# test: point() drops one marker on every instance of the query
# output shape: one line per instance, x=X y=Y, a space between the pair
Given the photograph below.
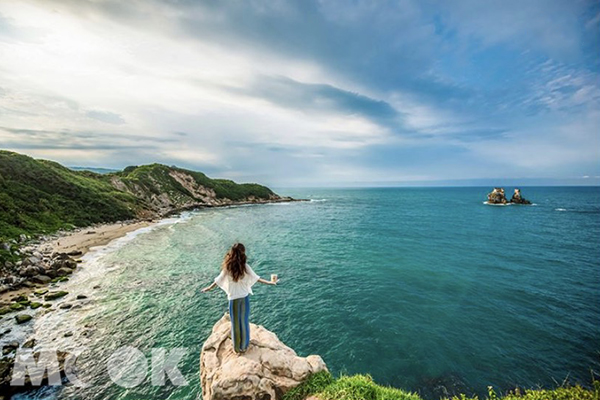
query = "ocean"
x=421 y=288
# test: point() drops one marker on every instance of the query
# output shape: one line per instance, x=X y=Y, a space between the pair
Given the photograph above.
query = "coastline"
x=32 y=301
x=77 y=242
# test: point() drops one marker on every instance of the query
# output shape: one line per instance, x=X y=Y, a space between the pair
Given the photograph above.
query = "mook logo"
x=127 y=367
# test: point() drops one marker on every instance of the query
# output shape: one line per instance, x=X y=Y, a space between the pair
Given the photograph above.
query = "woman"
x=236 y=279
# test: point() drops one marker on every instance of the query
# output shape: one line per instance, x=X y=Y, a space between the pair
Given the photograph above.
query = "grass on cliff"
x=361 y=387
x=40 y=196
x=156 y=178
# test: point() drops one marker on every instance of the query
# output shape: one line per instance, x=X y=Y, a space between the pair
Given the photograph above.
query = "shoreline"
x=78 y=242
x=63 y=253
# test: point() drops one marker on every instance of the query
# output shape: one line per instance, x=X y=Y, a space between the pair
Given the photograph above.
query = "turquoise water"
x=418 y=287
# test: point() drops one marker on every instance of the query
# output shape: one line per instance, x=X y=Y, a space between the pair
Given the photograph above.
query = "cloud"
x=106 y=116
x=305 y=91
x=312 y=98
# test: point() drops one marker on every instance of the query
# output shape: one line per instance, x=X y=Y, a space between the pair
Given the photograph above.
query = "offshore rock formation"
x=266 y=371
x=497 y=196
x=517 y=199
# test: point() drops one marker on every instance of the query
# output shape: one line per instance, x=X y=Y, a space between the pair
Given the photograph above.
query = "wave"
x=495 y=204
x=317 y=200
x=560 y=209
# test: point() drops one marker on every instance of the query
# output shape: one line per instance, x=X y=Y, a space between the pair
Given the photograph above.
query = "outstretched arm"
x=261 y=280
x=210 y=287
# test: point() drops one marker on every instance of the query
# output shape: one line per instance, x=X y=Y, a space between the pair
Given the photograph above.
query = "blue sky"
x=309 y=93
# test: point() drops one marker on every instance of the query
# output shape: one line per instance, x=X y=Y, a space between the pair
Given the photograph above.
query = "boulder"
x=41 y=279
x=22 y=318
x=64 y=271
x=497 y=196
x=55 y=295
x=518 y=199
x=266 y=371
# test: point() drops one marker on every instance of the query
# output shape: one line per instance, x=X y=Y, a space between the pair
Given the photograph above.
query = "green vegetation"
x=356 y=387
x=156 y=178
x=40 y=196
x=362 y=387
x=562 y=393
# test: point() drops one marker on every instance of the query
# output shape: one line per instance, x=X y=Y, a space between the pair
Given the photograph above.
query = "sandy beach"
x=77 y=243
x=86 y=238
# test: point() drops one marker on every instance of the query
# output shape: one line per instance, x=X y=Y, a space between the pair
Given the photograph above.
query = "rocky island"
x=497 y=196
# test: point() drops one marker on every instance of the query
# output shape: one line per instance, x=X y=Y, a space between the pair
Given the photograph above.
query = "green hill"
x=40 y=196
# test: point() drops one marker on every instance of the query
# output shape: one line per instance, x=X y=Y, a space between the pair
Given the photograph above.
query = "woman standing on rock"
x=236 y=279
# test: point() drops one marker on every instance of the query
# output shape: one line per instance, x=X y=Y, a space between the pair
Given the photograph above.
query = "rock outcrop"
x=517 y=199
x=266 y=371
x=497 y=196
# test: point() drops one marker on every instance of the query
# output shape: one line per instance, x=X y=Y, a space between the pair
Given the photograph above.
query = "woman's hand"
x=206 y=289
x=268 y=282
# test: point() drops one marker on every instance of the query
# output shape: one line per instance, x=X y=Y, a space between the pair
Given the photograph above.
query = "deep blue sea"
x=419 y=287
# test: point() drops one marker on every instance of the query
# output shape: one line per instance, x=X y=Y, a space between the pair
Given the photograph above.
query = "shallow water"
x=418 y=287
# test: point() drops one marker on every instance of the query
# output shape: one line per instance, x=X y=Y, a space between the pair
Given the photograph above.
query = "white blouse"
x=239 y=289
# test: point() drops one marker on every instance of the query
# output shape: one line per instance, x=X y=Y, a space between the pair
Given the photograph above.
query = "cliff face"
x=164 y=189
x=266 y=371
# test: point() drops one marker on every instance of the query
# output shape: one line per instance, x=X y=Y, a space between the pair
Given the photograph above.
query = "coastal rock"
x=64 y=271
x=6 y=374
x=266 y=371
x=517 y=199
x=22 y=318
x=497 y=196
x=41 y=279
x=55 y=295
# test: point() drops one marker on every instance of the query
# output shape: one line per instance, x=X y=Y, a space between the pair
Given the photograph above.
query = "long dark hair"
x=235 y=261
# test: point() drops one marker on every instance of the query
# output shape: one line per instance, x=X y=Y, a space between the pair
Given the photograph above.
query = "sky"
x=308 y=93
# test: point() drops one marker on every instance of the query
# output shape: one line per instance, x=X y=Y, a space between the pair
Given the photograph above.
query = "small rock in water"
x=55 y=295
x=68 y=334
x=81 y=296
x=40 y=292
x=22 y=318
x=41 y=279
x=29 y=344
x=20 y=298
x=65 y=306
x=17 y=307
x=87 y=333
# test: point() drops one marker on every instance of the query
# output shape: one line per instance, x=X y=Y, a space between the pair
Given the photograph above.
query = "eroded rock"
x=267 y=370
